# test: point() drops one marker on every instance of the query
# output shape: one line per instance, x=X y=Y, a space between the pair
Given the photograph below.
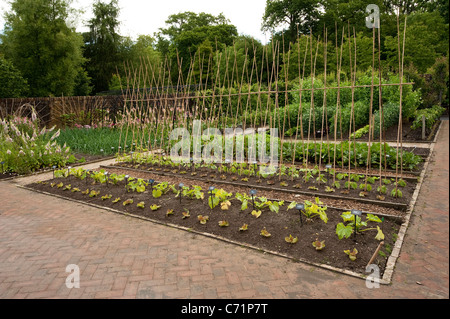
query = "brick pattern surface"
x=122 y=257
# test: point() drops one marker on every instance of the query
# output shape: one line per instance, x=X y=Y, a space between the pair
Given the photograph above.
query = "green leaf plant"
x=346 y=230
x=312 y=210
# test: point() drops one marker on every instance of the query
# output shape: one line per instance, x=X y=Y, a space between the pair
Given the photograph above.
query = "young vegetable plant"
x=141 y=205
x=265 y=233
x=224 y=223
x=244 y=227
x=218 y=196
x=128 y=202
x=94 y=193
x=291 y=239
x=319 y=245
x=136 y=185
x=194 y=193
x=263 y=202
x=346 y=230
x=162 y=189
x=351 y=254
x=106 y=197
x=203 y=219
x=397 y=193
x=312 y=210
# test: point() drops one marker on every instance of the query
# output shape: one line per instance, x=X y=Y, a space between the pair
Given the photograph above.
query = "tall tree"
x=13 y=85
x=189 y=35
x=102 y=44
x=294 y=16
x=41 y=44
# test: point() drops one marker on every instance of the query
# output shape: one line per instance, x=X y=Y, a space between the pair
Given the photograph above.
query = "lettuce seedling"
x=319 y=245
x=155 y=207
x=128 y=202
x=94 y=194
x=224 y=223
x=256 y=213
x=186 y=214
x=203 y=219
x=244 y=228
x=141 y=205
x=265 y=233
x=351 y=254
x=291 y=239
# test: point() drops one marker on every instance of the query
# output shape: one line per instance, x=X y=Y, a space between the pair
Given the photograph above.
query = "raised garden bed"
x=291 y=234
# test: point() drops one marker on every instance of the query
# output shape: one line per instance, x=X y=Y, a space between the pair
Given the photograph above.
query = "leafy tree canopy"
x=42 y=46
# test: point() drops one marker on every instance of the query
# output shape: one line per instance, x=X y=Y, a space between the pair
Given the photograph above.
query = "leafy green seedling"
x=203 y=219
x=291 y=239
x=128 y=202
x=265 y=233
x=155 y=207
x=244 y=228
x=319 y=245
x=94 y=193
x=351 y=254
x=224 y=223
x=141 y=205
x=106 y=197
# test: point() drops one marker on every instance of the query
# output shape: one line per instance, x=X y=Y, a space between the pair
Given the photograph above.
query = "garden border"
x=395 y=254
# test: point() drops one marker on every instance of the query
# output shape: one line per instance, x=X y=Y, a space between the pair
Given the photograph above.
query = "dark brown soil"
x=280 y=225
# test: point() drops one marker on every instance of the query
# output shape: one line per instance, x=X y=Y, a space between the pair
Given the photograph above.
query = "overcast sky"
x=147 y=16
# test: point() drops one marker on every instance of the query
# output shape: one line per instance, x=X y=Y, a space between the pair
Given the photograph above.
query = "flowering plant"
x=24 y=148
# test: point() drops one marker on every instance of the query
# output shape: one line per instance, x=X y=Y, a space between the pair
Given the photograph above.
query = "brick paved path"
x=121 y=257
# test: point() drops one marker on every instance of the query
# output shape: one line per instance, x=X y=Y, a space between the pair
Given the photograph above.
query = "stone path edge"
x=395 y=254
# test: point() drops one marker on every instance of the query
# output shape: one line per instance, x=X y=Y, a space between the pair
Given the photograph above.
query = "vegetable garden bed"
x=269 y=225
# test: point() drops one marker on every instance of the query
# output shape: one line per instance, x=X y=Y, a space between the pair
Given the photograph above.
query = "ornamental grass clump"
x=24 y=148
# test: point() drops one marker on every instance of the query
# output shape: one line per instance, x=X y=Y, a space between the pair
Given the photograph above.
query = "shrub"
x=431 y=116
